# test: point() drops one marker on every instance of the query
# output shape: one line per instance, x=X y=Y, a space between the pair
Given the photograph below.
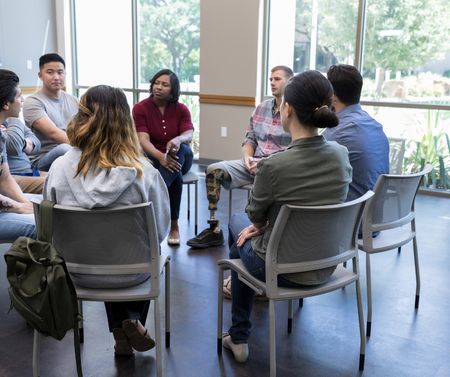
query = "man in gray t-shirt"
x=48 y=112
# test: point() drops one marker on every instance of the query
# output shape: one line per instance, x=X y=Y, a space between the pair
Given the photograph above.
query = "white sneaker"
x=240 y=351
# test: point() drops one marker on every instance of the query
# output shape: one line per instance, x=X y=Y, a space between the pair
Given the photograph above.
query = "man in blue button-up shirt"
x=367 y=144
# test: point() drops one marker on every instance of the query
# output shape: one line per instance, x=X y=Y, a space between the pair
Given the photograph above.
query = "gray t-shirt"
x=60 y=111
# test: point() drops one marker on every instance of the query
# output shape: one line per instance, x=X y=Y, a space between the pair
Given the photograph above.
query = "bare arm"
x=167 y=161
x=29 y=147
x=174 y=145
x=250 y=163
x=49 y=129
x=11 y=196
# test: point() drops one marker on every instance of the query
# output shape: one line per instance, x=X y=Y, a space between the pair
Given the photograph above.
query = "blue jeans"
x=174 y=181
x=242 y=295
x=14 y=225
x=46 y=160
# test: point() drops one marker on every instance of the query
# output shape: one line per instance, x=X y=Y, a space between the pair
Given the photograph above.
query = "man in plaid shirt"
x=264 y=136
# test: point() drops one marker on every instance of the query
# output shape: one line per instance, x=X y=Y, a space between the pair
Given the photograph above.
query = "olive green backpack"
x=41 y=289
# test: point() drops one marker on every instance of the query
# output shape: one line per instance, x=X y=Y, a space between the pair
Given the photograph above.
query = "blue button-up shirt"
x=367 y=145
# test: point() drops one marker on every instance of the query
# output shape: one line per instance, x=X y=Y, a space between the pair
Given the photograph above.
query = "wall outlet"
x=29 y=64
x=224 y=132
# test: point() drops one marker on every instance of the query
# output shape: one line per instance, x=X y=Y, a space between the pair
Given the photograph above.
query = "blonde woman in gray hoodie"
x=106 y=168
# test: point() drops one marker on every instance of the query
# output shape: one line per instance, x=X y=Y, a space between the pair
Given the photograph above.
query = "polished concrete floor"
x=325 y=337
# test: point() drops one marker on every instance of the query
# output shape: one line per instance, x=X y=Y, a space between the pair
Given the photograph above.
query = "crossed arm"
x=49 y=129
x=168 y=160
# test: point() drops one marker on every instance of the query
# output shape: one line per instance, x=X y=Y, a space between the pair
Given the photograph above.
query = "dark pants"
x=242 y=302
x=117 y=312
x=174 y=181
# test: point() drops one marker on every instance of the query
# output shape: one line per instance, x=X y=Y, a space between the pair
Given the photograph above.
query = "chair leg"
x=289 y=328
x=273 y=366
x=300 y=303
x=81 y=323
x=369 y=295
x=158 y=338
x=230 y=196
x=167 y=298
x=196 y=206
x=220 y=312
x=36 y=349
x=400 y=249
x=416 y=264
x=189 y=201
x=361 y=325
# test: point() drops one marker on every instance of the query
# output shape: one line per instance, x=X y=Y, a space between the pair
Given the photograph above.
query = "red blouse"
x=161 y=128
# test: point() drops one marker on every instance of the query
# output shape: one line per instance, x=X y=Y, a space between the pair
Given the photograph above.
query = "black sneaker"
x=207 y=238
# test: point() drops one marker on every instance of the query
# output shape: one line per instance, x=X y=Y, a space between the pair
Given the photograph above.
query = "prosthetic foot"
x=212 y=236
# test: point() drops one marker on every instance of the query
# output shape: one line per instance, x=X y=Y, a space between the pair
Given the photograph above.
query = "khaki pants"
x=31 y=185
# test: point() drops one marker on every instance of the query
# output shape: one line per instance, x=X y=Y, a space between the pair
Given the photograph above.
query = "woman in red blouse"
x=165 y=129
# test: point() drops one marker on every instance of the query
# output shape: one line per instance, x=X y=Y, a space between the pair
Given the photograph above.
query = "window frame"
x=359 y=59
x=135 y=61
x=359 y=56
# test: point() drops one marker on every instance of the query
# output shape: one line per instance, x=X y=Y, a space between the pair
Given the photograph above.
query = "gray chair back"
x=396 y=153
x=392 y=205
x=107 y=247
x=308 y=238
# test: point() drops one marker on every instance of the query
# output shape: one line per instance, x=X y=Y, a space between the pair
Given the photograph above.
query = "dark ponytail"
x=310 y=95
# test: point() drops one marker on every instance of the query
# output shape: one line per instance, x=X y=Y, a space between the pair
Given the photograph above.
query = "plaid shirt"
x=265 y=132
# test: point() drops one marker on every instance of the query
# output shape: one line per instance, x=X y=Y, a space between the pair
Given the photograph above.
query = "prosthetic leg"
x=212 y=236
x=213 y=185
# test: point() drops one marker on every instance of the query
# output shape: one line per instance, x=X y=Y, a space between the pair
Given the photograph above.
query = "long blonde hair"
x=104 y=131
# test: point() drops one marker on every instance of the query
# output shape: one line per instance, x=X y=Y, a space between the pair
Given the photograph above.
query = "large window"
x=123 y=43
x=402 y=49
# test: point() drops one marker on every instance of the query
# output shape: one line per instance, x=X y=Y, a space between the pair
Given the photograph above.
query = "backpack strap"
x=45 y=230
x=76 y=318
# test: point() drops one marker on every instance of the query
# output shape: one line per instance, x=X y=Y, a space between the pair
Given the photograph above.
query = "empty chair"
x=117 y=247
x=387 y=212
x=305 y=238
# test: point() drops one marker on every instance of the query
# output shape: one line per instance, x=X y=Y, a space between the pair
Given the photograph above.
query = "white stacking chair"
x=305 y=238
x=120 y=241
x=389 y=211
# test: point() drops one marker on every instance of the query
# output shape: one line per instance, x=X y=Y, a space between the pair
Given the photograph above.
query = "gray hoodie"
x=108 y=188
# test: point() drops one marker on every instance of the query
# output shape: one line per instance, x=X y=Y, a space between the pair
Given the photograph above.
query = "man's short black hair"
x=175 y=90
x=8 y=84
x=347 y=83
x=49 y=58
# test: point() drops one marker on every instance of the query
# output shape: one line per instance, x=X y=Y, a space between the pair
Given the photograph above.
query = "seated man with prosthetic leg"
x=264 y=136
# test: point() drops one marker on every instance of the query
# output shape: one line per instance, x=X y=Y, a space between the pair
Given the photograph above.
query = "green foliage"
x=169 y=37
x=446 y=73
x=420 y=27
x=427 y=143
x=193 y=105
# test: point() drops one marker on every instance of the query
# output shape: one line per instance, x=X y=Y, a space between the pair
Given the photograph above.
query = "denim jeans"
x=174 y=181
x=46 y=160
x=117 y=312
x=242 y=295
x=14 y=225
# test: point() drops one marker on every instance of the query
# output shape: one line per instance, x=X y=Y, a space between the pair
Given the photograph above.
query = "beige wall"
x=230 y=65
